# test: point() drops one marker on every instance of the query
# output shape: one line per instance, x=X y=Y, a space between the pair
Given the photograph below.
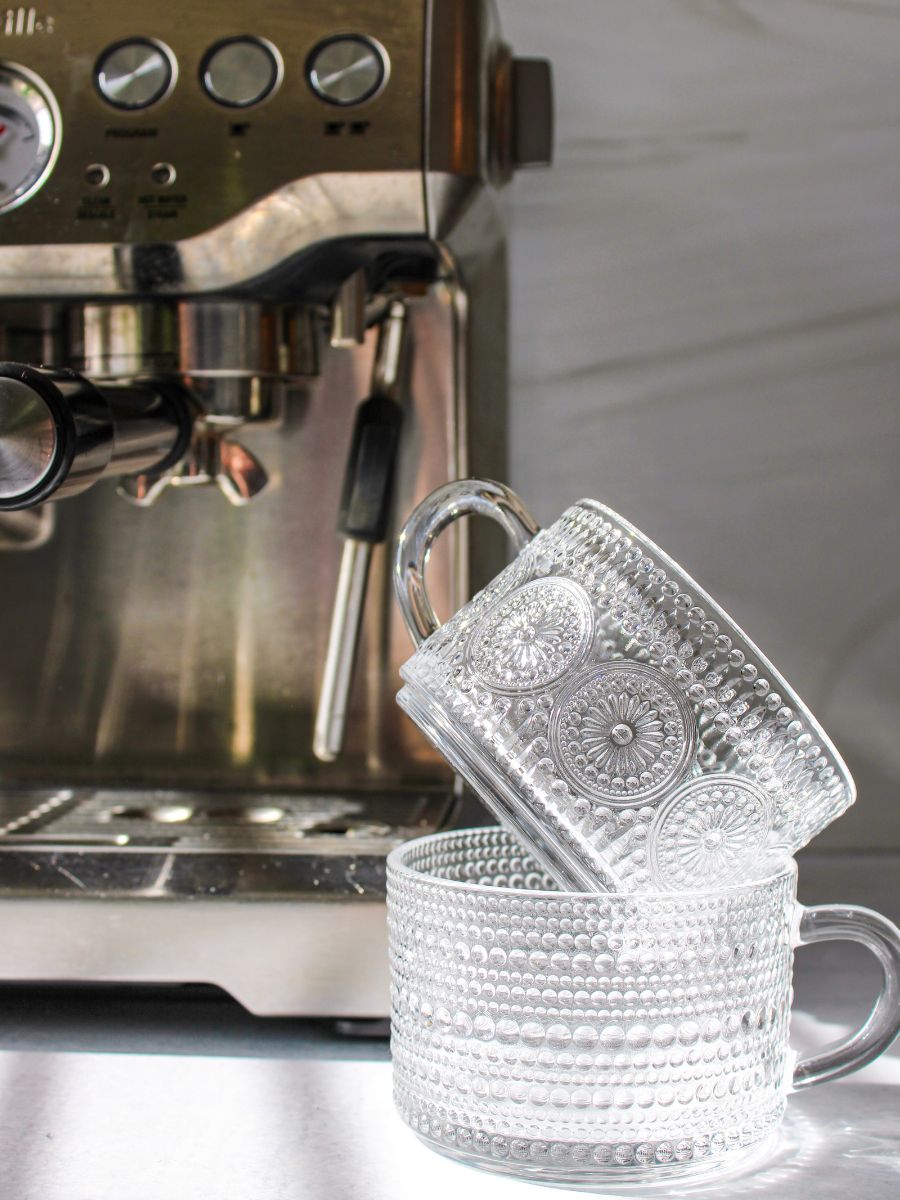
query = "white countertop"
x=111 y=1096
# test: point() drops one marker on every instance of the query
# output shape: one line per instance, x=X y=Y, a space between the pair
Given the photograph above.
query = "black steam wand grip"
x=368 y=479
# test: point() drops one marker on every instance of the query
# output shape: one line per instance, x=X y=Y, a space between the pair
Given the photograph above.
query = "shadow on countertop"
x=191 y=1019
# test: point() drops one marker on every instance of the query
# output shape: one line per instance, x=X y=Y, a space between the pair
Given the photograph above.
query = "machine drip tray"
x=207 y=820
x=276 y=898
x=146 y=843
x=150 y=844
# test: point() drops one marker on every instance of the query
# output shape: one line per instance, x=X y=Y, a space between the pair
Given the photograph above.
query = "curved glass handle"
x=444 y=506
x=847 y=922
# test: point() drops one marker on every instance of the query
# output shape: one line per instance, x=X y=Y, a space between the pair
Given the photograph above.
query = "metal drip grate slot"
x=197 y=821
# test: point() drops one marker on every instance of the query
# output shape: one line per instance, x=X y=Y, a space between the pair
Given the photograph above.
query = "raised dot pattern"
x=746 y=725
x=617 y=1029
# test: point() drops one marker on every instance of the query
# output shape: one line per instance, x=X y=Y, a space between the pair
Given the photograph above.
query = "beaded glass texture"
x=578 y=1037
x=613 y=717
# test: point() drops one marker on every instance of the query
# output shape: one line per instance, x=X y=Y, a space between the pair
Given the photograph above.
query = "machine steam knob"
x=532 y=116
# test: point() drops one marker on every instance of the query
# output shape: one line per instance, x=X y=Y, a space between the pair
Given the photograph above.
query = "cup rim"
x=782 y=867
x=700 y=594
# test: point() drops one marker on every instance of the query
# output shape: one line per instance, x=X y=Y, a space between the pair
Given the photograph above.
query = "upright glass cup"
x=606 y=709
x=585 y=1038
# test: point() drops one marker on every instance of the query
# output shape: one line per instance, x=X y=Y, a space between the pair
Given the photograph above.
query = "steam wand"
x=362 y=520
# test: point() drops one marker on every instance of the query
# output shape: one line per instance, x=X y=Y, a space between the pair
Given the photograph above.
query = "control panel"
x=160 y=122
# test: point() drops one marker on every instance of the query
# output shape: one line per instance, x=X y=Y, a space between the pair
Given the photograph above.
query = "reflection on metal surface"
x=212 y=460
x=219 y=172
x=30 y=134
x=136 y=73
x=110 y=341
x=136 y=614
x=347 y=70
x=169 y=652
x=348 y=312
x=340 y=657
x=210 y=873
x=28 y=529
x=241 y=71
x=241 y=249
x=363 y=522
x=45 y=823
x=59 y=434
x=28 y=438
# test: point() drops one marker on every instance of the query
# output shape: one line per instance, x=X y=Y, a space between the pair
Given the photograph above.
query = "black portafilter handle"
x=368 y=480
x=60 y=433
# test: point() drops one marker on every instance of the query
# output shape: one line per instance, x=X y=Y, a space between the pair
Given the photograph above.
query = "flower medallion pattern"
x=541 y=693
x=710 y=832
x=533 y=636
x=624 y=733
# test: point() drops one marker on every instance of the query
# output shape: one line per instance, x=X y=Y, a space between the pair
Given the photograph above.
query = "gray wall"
x=704 y=324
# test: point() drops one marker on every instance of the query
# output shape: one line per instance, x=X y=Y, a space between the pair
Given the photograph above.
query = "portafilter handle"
x=60 y=433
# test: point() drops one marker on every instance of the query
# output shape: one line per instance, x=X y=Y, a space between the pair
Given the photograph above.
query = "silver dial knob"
x=347 y=70
x=136 y=73
x=30 y=128
x=28 y=438
x=241 y=71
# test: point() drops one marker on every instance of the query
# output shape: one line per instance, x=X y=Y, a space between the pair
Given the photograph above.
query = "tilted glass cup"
x=606 y=709
x=590 y=1038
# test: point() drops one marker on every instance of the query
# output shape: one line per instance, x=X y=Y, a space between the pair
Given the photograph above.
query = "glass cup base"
x=560 y=1164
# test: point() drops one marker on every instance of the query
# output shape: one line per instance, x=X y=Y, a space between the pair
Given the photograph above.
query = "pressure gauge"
x=30 y=132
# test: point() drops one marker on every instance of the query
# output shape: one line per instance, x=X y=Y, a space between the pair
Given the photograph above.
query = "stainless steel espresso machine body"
x=252 y=309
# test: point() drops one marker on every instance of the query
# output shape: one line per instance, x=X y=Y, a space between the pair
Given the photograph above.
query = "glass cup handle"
x=444 y=506
x=848 y=922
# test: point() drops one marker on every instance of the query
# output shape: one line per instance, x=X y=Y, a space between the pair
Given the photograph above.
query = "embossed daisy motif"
x=533 y=636
x=624 y=733
x=710 y=832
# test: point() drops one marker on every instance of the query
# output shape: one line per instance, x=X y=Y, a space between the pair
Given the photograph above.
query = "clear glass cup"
x=606 y=709
x=585 y=1038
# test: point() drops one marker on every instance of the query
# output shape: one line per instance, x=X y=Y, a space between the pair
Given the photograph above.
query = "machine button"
x=240 y=71
x=97 y=175
x=136 y=73
x=347 y=70
x=163 y=174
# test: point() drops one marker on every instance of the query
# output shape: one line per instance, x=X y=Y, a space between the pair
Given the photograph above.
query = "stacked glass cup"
x=601 y=990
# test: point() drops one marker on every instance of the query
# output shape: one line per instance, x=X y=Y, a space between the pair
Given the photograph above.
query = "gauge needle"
x=2 y=130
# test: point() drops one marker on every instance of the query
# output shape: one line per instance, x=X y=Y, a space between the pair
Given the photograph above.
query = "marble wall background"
x=705 y=297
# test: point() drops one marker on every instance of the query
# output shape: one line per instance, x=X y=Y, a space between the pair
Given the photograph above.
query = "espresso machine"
x=252 y=309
